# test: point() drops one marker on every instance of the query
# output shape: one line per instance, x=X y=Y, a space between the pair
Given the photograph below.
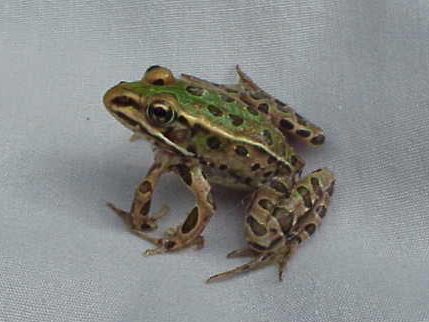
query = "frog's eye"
x=158 y=75
x=160 y=113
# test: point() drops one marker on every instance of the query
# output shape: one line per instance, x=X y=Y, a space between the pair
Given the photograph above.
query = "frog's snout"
x=118 y=98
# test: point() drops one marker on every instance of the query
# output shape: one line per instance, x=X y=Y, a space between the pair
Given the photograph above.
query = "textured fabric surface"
x=359 y=69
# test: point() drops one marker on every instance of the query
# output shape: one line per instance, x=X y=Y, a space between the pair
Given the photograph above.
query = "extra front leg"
x=189 y=232
x=138 y=217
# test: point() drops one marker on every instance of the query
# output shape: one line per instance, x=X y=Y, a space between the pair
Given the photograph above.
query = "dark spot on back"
x=213 y=142
x=214 y=110
x=271 y=159
x=303 y=133
x=241 y=150
x=251 y=110
x=236 y=120
x=288 y=125
x=195 y=90
x=318 y=140
x=255 y=167
x=263 y=107
x=223 y=167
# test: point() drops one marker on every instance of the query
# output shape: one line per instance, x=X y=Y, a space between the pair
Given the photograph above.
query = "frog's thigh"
x=269 y=226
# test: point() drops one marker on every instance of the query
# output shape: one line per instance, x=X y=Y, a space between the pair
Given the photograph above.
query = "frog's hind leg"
x=274 y=229
x=282 y=115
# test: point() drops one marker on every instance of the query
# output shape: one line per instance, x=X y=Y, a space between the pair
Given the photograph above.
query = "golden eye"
x=160 y=113
x=158 y=75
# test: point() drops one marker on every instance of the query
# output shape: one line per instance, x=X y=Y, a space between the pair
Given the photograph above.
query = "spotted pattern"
x=214 y=110
x=263 y=107
x=286 y=124
x=310 y=229
x=255 y=226
x=318 y=140
x=191 y=221
x=284 y=218
x=303 y=133
x=195 y=90
x=145 y=187
x=316 y=186
x=241 y=150
x=321 y=210
x=255 y=166
x=213 y=142
x=305 y=195
x=267 y=137
x=265 y=204
x=145 y=209
x=251 y=110
x=185 y=173
x=236 y=120
x=271 y=159
x=280 y=187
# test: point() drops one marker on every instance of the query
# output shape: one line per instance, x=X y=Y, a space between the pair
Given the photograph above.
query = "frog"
x=237 y=136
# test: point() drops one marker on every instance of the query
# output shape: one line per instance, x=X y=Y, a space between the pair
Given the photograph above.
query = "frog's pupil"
x=160 y=112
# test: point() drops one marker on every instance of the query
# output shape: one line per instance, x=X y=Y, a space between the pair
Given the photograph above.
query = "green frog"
x=232 y=135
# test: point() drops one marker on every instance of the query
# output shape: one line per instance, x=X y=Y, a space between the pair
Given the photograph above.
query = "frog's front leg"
x=138 y=217
x=274 y=228
x=189 y=232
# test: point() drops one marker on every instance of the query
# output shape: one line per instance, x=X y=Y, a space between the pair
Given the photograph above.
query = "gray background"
x=358 y=68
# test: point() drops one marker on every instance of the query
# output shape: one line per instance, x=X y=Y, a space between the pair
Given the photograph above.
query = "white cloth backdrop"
x=359 y=69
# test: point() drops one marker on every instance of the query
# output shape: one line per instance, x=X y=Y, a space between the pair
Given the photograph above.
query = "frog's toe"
x=125 y=215
x=258 y=262
x=242 y=252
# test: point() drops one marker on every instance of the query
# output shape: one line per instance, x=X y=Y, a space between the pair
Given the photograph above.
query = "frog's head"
x=150 y=109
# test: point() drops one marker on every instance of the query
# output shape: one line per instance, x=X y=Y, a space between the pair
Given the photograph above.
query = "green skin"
x=236 y=136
